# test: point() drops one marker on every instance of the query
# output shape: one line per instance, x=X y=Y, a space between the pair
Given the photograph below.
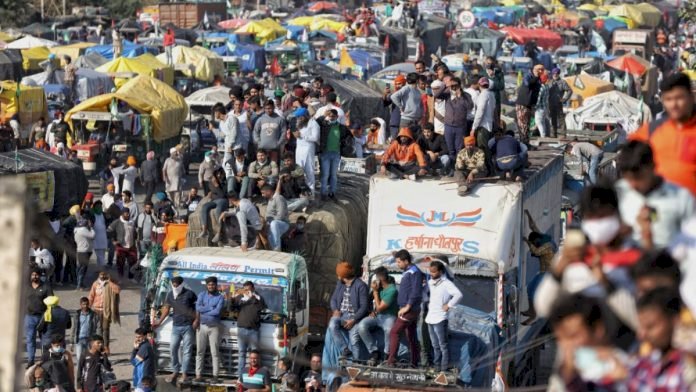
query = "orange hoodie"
x=404 y=154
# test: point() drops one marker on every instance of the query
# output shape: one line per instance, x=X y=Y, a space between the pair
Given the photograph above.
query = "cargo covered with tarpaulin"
x=11 y=64
x=250 y=57
x=544 y=38
x=88 y=83
x=53 y=183
x=147 y=95
x=359 y=99
x=613 y=107
x=206 y=63
x=587 y=86
x=28 y=102
x=146 y=64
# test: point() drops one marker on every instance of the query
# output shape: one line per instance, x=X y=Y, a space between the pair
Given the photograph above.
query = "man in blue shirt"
x=409 y=300
x=142 y=358
x=208 y=309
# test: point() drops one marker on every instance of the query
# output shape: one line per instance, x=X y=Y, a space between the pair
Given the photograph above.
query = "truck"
x=480 y=238
x=280 y=278
x=639 y=42
x=187 y=15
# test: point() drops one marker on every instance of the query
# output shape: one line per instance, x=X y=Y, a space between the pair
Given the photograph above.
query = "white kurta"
x=306 y=151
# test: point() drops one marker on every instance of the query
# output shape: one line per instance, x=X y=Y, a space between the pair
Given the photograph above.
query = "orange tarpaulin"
x=174 y=233
x=321 y=6
x=547 y=39
x=630 y=63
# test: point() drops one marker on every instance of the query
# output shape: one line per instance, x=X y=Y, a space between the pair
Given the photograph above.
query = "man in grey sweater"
x=276 y=215
x=149 y=175
x=408 y=100
x=247 y=215
x=269 y=131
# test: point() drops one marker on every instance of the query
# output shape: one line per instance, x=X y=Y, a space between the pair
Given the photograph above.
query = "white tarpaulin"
x=88 y=83
x=426 y=217
x=29 y=42
x=209 y=96
x=610 y=107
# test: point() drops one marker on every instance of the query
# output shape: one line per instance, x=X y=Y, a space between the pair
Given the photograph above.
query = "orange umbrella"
x=630 y=63
x=321 y=6
x=230 y=24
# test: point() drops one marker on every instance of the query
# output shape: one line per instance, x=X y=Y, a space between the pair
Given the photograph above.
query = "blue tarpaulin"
x=130 y=49
x=250 y=57
x=295 y=31
x=499 y=15
x=611 y=24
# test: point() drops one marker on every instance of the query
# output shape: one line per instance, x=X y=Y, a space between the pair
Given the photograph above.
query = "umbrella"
x=233 y=23
x=322 y=6
x=630 y=63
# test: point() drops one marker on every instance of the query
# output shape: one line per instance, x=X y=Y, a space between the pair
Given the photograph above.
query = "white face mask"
x=177 y=290
x=208 y=158
x=602 y=231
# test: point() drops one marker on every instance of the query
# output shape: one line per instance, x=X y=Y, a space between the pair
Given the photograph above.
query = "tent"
x=88 y=83
x=263 y=30
x=73 y=50
x=480 y=38
x=359 y=99
x=11 y=64
x=31 y=58
x=644 y=14
x=90 y=60
x=250 y=57
x=547 y=39
x=28 y=42
x=129 y=50
x=145 y=95
x=587 y=86
x=610 y=107
x=146 y=64
x=29 y=102
x=630 y=63
x=207 y=64
x=208 y=96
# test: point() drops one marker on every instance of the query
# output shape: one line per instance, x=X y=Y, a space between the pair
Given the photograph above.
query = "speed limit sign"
x=467 y=19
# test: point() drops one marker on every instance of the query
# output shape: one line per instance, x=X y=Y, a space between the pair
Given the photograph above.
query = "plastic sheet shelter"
x=144 y=94
x=587 y=86
x=29 y=42
x=88 y=82
x=31 y=58
x=482 y=38
x=612 y=107
x=11 y=64
x=264 y=30
x=90 y=60
x=146 y=64
x=644 y=14
x=129 y=50
x=73 y=50
x=545 y=38
x=29 y=102
x=206 y=63
x=208 y=96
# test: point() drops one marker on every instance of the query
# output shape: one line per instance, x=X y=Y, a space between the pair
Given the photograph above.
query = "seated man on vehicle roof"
x=471 y=163
x=404 y=158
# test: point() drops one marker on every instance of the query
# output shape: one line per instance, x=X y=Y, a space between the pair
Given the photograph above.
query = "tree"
x=15 y=13
x=121 y=9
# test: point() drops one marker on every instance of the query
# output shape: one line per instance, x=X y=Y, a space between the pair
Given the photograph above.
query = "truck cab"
x=639 y=42
x=280 y=278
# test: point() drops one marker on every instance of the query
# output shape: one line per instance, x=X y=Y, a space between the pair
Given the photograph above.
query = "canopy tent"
x=612 y=107
x=587 y=86
x=144 y=94
x=73 y=50
x=27 y=101
x=90 y=60
x=631 y=63
x=129 y=50
x=482 y=38
x=644 y=14
x=146 y=64
x=263 y=30
x=208 y=96
x=31 y=58
x=544 y=38
x=11 y=64
x=28 y=42
x=88 y=83
x=206 y=63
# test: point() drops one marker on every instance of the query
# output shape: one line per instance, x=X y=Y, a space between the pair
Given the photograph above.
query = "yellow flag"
x=345 y=61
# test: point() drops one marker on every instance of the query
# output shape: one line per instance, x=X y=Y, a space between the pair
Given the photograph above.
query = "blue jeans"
x=454 y=138
x=240 y=188
x=594 y=167
x=336 y=329
x=276 y=230
x=179 y=333
x=30 y=324
x=297 y=204
x=383 y=321
x=438 y=336
x=220 y=205
x=247 y=339
x=329 y=171
x=81 y=346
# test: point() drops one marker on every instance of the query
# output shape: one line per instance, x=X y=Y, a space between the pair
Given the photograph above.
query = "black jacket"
x=94 y=325
x=233 y=166
x=435 y=144
x=347 y=144
x=249 y=311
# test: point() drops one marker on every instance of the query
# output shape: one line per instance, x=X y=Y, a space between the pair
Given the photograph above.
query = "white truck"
x=280 y=278
x=481 y=237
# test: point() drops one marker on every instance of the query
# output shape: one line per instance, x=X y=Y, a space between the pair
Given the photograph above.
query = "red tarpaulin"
x=630 y=63
x=232 y=23
x=547 y=39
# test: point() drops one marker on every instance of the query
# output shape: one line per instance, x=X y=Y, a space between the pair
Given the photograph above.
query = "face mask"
x=299 y=227
x=602 y=231
x=177 y=290
x=333 y=122
x=39 y=383
x=208 y=159
x=57 y=350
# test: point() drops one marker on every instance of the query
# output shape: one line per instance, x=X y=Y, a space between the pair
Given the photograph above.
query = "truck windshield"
x=270 y=288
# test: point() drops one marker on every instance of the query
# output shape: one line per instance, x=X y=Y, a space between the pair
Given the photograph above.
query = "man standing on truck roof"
x=444 y=294
x=587 y=152
x=409 y=301
x=208 y=311
x=255 y=378
x=350 y=305
x=250 y=306
x=180 y=302
x=383 y=316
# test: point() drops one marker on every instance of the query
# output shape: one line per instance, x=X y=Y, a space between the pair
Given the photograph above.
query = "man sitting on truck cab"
x=250 y=306
x=384 y=314
x=247 y=215
x=471 y=162
x=404 y=158
x=509 y=155
x=350 y=305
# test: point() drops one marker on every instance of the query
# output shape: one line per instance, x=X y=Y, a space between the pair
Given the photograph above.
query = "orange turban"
x=400 y=78
x=131 y=161
x=344 y=270
x=469 y=140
